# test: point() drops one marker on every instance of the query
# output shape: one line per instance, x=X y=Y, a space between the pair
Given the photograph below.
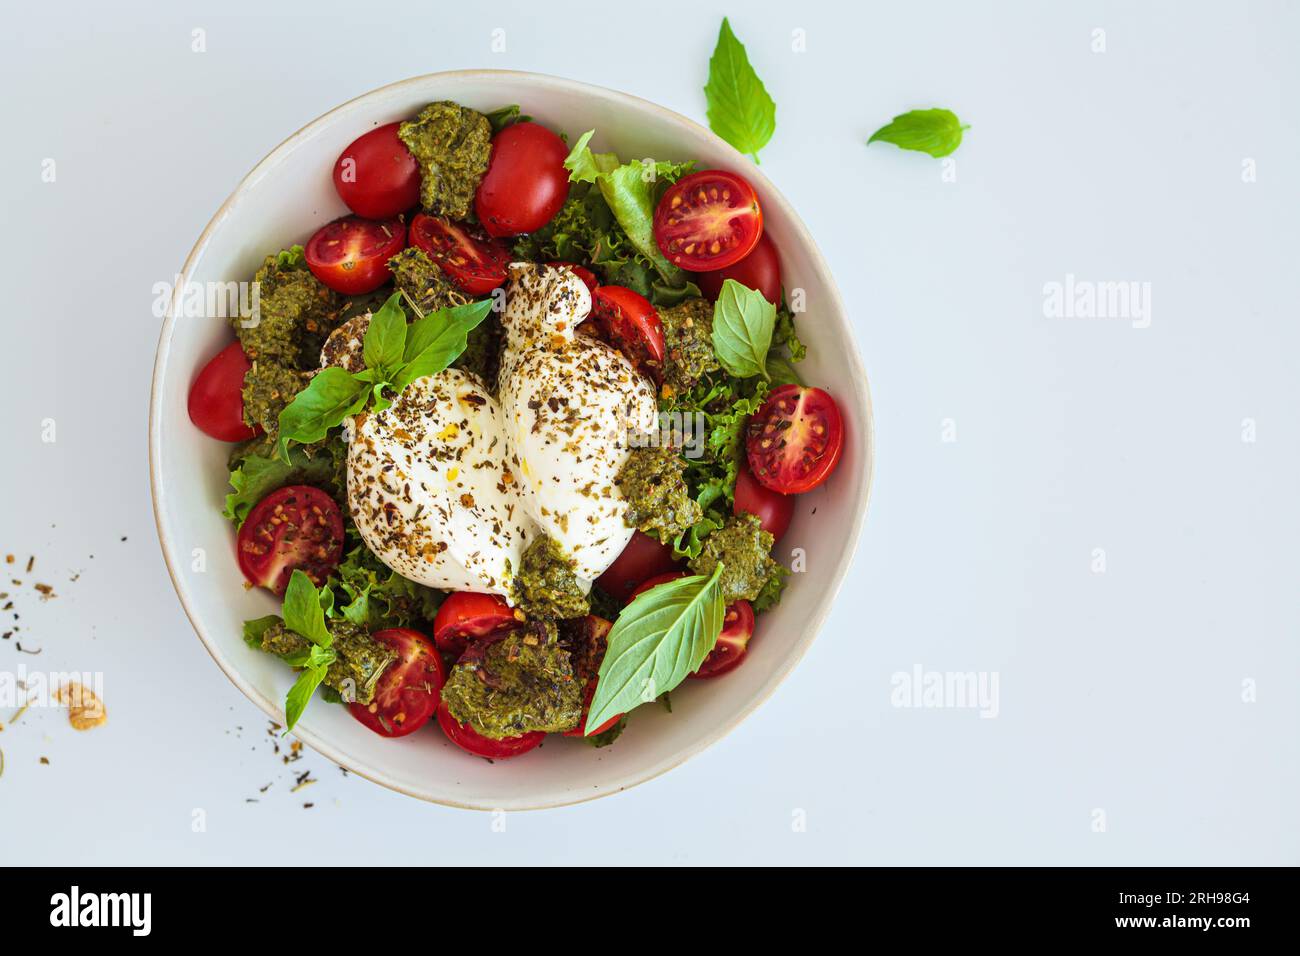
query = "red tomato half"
x=526 y=182
x=582 y=272
x=408 y=692
x=296 y=527
x=466 y=616
x=760 y=270
x=795 y=440
x=471 y=741
x=774 y=509
x=733 y=643
x=708 y=220
x=644 y=557
x=631 y=325
x=376 y=175
x=476 y=265
x=216 y=401
x=350 y=255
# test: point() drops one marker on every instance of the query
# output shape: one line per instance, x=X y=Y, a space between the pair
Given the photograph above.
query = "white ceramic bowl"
x=287 y=197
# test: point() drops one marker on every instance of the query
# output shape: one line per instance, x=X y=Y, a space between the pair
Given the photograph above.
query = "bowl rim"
x=812 y=626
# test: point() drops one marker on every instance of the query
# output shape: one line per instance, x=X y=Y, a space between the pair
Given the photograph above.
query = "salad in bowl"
x=513 y=442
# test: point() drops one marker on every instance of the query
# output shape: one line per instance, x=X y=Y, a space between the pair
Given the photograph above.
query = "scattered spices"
x=308 y=806
x=45 y=761
x=47 y=591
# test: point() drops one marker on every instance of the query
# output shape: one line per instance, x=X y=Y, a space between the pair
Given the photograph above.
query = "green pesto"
x=521 y=683
x=422 y=283
x=295 y=314
x=658 y=500
x=745 y=550
x=546 y=589
x=451 y=145
x=688 y=345
x=268 y=388
x=361 y=659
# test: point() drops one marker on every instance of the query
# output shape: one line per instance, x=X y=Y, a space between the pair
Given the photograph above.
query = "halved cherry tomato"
x=408 y=692
x=795 y=440
x=733 y=643
x=477 y=265
x=216 y=401
x=466 y=616
x=582 y=272
x=774 y=509
x=376 y=175
x=644 y=557
x=587 y=643
x=295 y=527
x=526 y=182
x=708 y=220
x=350 y=255
x=631 y=325
x=471 y=741
x=737 y=629
x=760 y=270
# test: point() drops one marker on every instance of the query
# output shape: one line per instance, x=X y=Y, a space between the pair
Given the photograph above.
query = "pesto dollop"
x=545 y=586
x=424 y=284
x=520 y=683
x=658 y=501
x=452 y=145
x=745 y=551
x=268 y=388
x=296 y=312
x=361 y=659
x=688 y=345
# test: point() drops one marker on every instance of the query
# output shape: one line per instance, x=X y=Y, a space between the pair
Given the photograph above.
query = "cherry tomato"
x=471 y=741
x=655 y=581
x=644 y=557
x=408 y=692
x=708 y=220
x=376 y=175
x=582 y=272
x=476 y=265
x=216 y=401
x=466 y=616
x=774 y=509
x=795 y=440
x=733 y=643
x=295 y=527
x=631 y=325
x=526 y=182
x=587 y=643
x=760 y=270
x=350 y=255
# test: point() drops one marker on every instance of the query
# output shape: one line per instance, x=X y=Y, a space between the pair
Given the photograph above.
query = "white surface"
x=1120 y=691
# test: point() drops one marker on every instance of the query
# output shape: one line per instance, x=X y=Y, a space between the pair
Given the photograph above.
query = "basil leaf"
x=937 y=132
x=780 y=370
x=660 y=638
x=740 y=111
x=357 y=611
x=303 y=612
x=331 y=396
x=438 y=339
x=742 y=329
x=300 y=694
x=385 y=339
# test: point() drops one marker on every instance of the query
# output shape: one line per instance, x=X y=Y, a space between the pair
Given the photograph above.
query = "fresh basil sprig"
x=395 y=353
x=739 y=109
x=743 y=321
x=304 y=613
x=660 y=638
x=937 y=132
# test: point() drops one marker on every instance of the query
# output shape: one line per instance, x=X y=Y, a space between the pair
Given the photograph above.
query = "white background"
x=1120 y=693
